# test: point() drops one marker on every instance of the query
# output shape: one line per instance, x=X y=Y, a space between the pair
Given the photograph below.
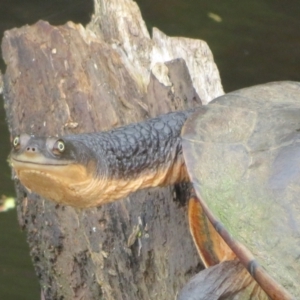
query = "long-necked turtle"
x=241 y=152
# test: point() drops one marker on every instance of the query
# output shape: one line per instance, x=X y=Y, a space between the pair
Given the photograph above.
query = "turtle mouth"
x=37 y=160
x=46 y=162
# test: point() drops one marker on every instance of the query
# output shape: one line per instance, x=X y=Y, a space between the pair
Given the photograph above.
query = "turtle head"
x=52 y=167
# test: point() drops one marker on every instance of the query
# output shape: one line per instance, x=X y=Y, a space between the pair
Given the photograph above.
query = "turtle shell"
x=242 y=153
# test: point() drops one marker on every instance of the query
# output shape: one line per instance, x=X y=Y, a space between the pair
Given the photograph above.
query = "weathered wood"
x=69 y=79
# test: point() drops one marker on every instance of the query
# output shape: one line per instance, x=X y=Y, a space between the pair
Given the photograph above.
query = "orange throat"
x=77 y=186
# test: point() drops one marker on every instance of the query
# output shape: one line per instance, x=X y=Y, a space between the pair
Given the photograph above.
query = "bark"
x=70 y=79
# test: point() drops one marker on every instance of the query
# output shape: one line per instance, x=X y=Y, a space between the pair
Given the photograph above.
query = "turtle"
x=241 y=152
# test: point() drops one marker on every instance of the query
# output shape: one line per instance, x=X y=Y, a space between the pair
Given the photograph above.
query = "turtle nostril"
x=30 y=149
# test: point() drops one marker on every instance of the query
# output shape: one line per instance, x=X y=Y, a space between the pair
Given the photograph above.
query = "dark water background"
x=252 y=41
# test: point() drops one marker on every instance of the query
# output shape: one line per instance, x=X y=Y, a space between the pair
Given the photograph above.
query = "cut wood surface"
x=70 y=79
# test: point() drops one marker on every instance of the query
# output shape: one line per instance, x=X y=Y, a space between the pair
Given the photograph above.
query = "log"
x=70 y=79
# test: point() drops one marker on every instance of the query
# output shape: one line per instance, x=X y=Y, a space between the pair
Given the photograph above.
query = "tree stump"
x=71 y=79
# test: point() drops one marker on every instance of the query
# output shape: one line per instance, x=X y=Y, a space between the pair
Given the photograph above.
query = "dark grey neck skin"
x=91 y=169
x=127 y=151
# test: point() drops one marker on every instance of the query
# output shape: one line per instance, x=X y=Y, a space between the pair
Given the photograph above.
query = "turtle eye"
x=16 y=142
x=59 y=147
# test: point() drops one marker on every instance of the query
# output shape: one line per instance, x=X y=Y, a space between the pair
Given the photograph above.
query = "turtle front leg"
x=224 y=275
x=227 y=280
x=213 y=251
